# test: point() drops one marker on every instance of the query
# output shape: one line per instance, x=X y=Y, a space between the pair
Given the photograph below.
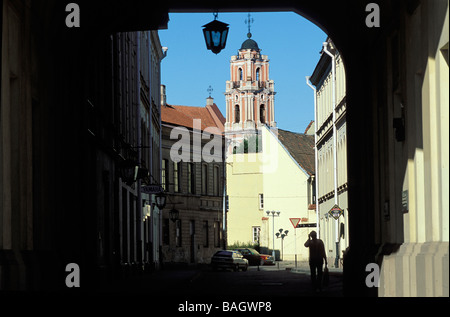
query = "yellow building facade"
x=275 y=179
x=244 y=183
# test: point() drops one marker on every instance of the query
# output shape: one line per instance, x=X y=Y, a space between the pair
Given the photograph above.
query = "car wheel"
x=261 y=262
x=244 y=268
x=236 y=268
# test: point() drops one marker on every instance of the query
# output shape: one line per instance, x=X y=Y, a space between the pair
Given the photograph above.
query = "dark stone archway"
x=344 y=22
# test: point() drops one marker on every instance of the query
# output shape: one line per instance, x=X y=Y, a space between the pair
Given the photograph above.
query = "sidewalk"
x=301 y=268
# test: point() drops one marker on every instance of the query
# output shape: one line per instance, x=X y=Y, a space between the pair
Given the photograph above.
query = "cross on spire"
x=210 y=90
x=249 y=21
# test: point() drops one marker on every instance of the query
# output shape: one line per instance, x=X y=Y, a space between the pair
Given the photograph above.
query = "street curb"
x=308 y=272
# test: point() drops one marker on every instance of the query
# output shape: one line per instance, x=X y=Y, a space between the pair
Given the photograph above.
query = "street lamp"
x=128 y=170
x=273 y=228
x=174 y=214
x=216 y=34
x=282 y=235
x=160 y=199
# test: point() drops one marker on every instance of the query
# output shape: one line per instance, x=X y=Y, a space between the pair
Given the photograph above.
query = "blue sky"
x=291 y=42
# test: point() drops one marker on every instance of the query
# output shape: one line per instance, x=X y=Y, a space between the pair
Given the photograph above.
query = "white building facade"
x=328 y=79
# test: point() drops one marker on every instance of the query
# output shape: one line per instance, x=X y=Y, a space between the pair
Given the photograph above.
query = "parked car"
x=256 y=258
x=229 y=259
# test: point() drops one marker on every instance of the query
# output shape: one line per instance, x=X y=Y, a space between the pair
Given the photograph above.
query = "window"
x=164 y=174
x=178 y=232
x=237 y=114
x=177 y=177
x=216 y=181
x=205 y=234
x=125 y=228
x=255 y=234
x=217 y=234
x=262 y=114
x=204 y=179
x=261 y=201
x=257 y=74
x=241 y=75
x=166 y=232
x=444 y=52
x=191 y=178
x=313 y=188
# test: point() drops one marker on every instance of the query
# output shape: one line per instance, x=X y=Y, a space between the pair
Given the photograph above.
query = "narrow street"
x=268 y=281
x=263 y=283
x=273 y=288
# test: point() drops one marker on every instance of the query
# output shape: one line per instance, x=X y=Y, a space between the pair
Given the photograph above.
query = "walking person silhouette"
x=316 y=256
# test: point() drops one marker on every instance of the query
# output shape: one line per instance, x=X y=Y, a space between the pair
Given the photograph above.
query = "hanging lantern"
x=174 y=214
x=215 y=33
x=160 y=199
x=128 y=170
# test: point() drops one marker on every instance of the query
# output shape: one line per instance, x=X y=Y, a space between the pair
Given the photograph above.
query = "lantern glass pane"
x=224 y=38
x=215 y=38
x=208 y=38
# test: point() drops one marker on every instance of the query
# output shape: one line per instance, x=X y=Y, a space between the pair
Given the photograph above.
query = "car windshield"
x=253 y=251
x=223 y=253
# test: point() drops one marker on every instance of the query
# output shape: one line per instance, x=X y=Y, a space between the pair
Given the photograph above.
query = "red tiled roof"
x=308 y=127
x=210 y=116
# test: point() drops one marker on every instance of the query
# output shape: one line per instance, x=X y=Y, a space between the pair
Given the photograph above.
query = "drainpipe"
x=316 y=163
x=160 y=214
x=224 y=204
x=336 y=200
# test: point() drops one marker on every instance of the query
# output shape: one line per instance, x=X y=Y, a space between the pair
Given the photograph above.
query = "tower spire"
x=249 y=92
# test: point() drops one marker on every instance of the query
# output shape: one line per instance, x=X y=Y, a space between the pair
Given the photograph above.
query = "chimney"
x=163 y=96
x=209 y=101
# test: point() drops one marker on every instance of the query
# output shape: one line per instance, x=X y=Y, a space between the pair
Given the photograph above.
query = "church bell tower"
x=249 y=92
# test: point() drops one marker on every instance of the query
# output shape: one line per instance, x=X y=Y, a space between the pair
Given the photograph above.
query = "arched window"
x=241 y=75
x=237 y=114
x=262 y=114
x=257 y=74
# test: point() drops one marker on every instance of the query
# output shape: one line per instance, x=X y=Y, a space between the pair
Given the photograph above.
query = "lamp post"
x=274 y=214
x=282 y=235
